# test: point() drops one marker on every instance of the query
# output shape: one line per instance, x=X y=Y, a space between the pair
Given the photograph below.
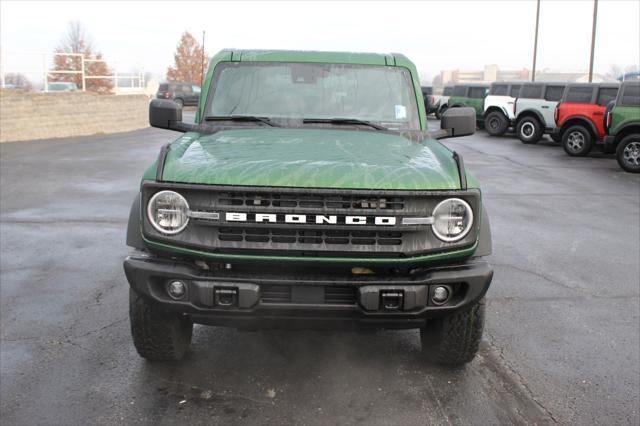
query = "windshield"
x=289 y=90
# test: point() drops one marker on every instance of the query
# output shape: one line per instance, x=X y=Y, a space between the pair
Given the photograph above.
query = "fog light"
x=176 y=289
x=440 y=295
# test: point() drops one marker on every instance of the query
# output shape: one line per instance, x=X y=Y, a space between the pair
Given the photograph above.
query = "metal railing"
x=136 y=80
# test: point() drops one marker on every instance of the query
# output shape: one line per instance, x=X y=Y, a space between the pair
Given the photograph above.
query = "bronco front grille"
x=258 y=221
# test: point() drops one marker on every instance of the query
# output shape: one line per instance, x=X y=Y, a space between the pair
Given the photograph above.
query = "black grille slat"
x=329 y=201
x=340 y=295
x=266 y=235
x=275 y=293
x=333 y=295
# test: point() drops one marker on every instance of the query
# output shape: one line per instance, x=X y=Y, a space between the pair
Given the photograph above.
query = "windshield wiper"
x=264 y=120
x=344 y=121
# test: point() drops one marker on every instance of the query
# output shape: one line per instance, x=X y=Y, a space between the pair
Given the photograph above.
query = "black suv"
x=430 y=105
x=181 y=93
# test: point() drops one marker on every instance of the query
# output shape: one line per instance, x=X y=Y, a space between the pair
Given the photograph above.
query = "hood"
x=311 y=158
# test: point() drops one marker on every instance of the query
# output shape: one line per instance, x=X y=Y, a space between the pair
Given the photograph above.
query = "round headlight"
x=168 y=212
x=452 y=219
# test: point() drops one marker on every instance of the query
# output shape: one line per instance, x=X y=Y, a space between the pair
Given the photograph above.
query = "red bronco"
x=580 y=116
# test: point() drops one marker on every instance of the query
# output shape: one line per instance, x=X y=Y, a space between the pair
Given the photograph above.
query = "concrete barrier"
x=29 y=116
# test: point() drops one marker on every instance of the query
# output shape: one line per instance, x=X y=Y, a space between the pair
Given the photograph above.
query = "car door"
x=476 y=100
x=552 y=95
x=196 y=94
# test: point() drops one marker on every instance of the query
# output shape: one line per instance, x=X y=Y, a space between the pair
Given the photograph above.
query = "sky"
x=436 y=35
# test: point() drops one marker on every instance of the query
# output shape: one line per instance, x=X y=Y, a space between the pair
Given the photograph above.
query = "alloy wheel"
x=575 y=141
x=631 y=154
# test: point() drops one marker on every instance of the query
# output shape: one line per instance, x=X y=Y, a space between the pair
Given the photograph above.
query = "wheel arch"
x=626 y=131
x=580 y=121
x=496 y=108
x=485 y=245
x=134 y=238
x=530 y=113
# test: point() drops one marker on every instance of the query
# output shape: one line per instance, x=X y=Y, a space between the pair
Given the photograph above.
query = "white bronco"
x=499 y=107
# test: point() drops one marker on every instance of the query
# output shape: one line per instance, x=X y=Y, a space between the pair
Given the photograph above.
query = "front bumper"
x=302 y=301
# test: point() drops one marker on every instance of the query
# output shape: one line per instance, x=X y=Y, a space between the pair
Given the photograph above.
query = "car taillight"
x=555 y=113
x=167 y=95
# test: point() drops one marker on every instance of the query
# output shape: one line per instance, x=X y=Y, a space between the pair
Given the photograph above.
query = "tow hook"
x=226 y=297
x=391 y=300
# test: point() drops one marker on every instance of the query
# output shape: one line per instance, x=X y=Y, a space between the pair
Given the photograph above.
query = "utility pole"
x=535 y=43
x=593 y=38
x=202 y=62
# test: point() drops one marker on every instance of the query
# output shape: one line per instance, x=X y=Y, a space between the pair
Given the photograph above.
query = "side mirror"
x=165 y=114
x=610 y=105
x=459 y=121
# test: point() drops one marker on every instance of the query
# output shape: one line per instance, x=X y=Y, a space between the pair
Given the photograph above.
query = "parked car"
x=62 y=87
x=535 y=110
x=579 y=116
x=443 y=101
x=430 y=103
x=470 y=95
x=181 y=93
x=623 y=127
x=279 y=208
x=499 y=107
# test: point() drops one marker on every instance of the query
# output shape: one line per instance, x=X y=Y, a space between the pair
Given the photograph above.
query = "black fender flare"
x=485 y=244
x=134 y=238
x=533 y=112
x=578 y=119
x=496 y=108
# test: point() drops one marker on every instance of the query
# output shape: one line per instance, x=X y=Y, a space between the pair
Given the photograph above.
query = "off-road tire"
x=495 y=123
x=158 y=335
x=628 y=153
x=454 y=339
x=577 y=141
x=529 y=130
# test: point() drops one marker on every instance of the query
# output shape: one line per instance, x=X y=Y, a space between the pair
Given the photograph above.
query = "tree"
x=615 y=71
x=76 y=41
x=188 y=64
x=18 y=80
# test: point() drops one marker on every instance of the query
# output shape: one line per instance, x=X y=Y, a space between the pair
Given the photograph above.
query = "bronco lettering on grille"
x=316 y=219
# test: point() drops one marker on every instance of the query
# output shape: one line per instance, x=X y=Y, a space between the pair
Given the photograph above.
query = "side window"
x=459 y=90
x=579 y=94
x=499 y=90
x=173 y=87
x=163 y=87
x=553 y=93
x=196 y=89
x=447 y=91
x=477 y=92
x=185 y=88
x=606 y=95
x=533 y=91
x=631 y=96
x=514 y=92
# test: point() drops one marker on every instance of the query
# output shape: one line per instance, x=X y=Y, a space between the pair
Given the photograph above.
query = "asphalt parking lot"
x=562 y=341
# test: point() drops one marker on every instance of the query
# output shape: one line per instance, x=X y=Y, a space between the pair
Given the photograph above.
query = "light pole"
x=593 y=38
x=202 y=62
x=535 y=43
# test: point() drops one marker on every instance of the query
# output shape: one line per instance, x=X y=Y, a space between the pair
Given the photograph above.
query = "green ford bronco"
x=309 y=193
x=622 y=124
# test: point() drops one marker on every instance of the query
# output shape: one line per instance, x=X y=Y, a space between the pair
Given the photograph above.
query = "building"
x=493 y=73
x=490 y=74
